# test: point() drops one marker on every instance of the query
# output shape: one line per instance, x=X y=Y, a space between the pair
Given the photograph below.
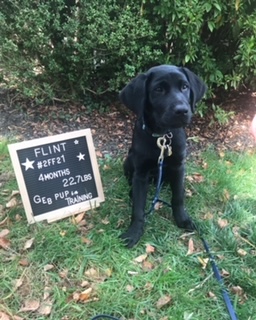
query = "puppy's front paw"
x=183 y=221
x=187 y=224
x=132 y=235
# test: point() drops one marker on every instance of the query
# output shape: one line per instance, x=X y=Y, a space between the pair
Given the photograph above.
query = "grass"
x=83 y=270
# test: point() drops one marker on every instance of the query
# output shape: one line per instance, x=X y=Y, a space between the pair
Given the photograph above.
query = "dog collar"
x=154 y=134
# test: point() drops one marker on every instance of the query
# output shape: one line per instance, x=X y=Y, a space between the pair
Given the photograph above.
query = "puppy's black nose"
x=181 y=110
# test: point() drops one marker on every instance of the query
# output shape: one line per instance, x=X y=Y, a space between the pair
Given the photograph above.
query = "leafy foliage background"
x=84 y=48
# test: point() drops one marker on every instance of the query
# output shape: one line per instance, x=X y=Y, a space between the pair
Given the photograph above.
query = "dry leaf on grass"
x=158 y=205
x=141 y=258
x=225 y=273
x=5 y=243
x=222 y=223
x=45 y=308
x=105 y=221
x=4 y=233
x=4 y=316
x=149 y=248
x=28 y=244
x=92 y=273
x=15 y=193
x=30 y=305
x=163 y=301
x=211 y=295
x=208 y=216
x=129 y=288
x=147 y=265
x=24 y=262
x=63 y=273
x=203 y=262
x=78 y=218
x=47 y=291
x=241 y=252
x=191 y=248
x=12 y=203
x=48 y=267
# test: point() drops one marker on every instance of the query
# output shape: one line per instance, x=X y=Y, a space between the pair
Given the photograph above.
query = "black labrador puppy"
x=164 y=99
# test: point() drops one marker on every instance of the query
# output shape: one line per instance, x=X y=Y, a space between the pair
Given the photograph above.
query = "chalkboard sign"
x=57 y=176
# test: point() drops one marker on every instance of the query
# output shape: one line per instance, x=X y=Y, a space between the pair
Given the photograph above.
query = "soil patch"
x=112 y=129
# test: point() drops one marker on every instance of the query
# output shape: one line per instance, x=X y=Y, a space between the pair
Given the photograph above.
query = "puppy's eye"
x=184 y=87
x=159 y=89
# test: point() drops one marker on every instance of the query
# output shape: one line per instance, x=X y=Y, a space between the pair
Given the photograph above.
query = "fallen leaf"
x=24 y=262
x=4 y=316
x=48 y=267
x=45 y=308
x=129 y=288
x=163 y=301
x=237 y=290
x=158 y=205
x=30 y=305
x=149 y=248
x=222 y=223
x=17 y=283
x=12 y=203
x=225 y=273
x=83 y=296
x=63 y=233
x=141 y=258
x=28 y=244
x=190 y=247
x=222 y=154
x=5 y=243
x=203 y=262
x=147 y=265
x=92 y=273
x=15 y=193
x=211 y=295
x=105 y=221
x=242 y=252
x=78 y=218
x=85 y=284
x=149 y=286
x=208 y=216
x=47 y=291
x=63 y=274
x=4 y=233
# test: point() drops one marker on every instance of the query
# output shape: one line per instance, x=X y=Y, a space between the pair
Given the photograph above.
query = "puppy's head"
x=165 y=96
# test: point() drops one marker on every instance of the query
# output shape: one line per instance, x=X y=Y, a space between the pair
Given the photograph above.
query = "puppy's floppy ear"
x=197 y=87
x=133 y=95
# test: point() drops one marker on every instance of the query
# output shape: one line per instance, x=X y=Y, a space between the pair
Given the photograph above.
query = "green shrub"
x=69 y=48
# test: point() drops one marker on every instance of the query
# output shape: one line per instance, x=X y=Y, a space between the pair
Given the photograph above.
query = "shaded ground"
x=112 y=129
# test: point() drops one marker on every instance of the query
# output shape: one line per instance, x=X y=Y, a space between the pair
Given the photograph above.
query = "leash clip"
x=164 y=143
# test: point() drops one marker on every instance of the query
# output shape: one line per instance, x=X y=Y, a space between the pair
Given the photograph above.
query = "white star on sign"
x=28 y=164
x=80 y=156
x=76 y=142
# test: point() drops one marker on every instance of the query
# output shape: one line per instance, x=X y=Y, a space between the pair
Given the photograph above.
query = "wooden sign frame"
x=43 y=164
